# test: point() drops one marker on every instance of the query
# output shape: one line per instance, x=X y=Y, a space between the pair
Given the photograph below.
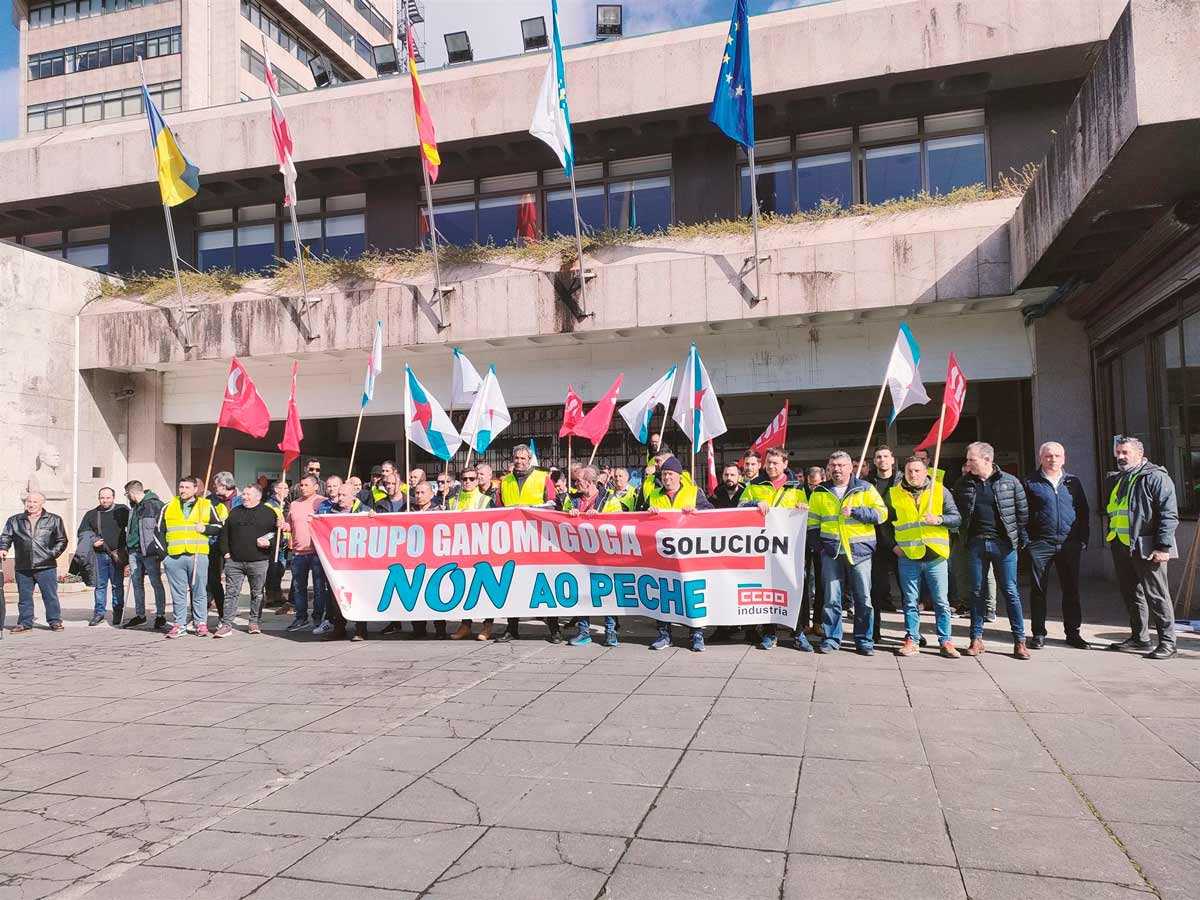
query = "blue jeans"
x=107 y=573
x=610 y=623
x=1003 y=557
x=840 y=576
x=47 y=584
x=935 y=575
x=304 y=565
x=139 y=568
x=179 y=571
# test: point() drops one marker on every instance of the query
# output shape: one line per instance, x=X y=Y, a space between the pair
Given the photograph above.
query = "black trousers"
x=883 y=566
x=216 y=584
x=1146 y=593
x=1064 y=557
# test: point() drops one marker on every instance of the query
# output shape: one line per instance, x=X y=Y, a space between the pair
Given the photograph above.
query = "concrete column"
x=152 y=446
x=1063 y=410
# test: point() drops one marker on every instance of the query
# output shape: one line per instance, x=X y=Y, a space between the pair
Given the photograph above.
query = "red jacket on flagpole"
x=243 y=409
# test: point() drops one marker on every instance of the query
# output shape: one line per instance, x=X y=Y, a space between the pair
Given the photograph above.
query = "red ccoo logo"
x=757 y=595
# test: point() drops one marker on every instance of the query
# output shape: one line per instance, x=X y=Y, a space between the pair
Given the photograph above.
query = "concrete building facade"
x=1029 y=288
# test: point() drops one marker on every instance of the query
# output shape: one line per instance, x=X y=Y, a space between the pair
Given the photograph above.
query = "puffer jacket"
x=38 y=550
x=1153 y=509
x=1012 y=505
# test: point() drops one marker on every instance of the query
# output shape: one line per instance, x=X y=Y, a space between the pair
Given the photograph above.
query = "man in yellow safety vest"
x=187 y=523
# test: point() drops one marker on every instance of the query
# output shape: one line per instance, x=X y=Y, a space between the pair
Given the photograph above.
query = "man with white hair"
x=37 y=539
x=1142 y=518
x=1059 y=528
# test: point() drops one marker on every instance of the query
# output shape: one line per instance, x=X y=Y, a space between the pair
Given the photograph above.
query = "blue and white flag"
x=488 y=416
x=425 y=422
x=733 y=101
x=464 y=380
x=639 y=411
x=903 y=375
x=374 y=365
x=533 y=454
x=696 y=408
x=551 y=120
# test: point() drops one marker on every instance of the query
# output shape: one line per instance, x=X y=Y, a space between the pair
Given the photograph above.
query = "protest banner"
x=728 y=567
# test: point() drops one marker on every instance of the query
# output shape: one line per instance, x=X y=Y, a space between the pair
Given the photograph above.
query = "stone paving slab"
x=284 y=768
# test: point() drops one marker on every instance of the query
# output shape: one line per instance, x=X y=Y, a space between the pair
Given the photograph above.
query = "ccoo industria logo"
x=754 y=598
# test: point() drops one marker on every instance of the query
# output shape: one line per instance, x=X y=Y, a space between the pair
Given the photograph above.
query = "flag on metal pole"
x=425 y=422
x=572 y=413
x=281 y=134
x=954 y=395
x=733 y=107
x=903 y=373
x=696 y=408
x=430 y=157
x=293 y=434
x=464 y=380
x=488 y=416
x=595 y=424
x=776 y=433
x=533 y=457
x=242 y=408
x=374 y=365
x=639 y=411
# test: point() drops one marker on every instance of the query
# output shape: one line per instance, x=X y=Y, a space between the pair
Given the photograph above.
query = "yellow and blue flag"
x=178 y=179
x=733 y=102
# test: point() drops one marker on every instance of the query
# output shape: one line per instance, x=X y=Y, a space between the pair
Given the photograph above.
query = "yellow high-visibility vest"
x=913 y=536
x=472 y=500
x=757 y=492
x=182 y=536
x=789 y=496
x=531 y=493
x=685 y=497
x=825 y=514
x=1118 y=512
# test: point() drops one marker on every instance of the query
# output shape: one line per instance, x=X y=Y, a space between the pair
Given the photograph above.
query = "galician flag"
x=533 y=461
x=638 y=412
x=696 y=407
x=374 y=365
x=903 y=375
x=488 y=416
x=425 y=422
x=551 y=120
x=464 y=380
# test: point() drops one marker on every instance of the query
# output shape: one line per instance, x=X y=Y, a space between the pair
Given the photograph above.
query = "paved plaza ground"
x=283 y=768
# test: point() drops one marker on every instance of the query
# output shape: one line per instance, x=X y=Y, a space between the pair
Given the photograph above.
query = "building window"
x=560 y=217
x=374 y=16
x=87 y=247
x=55 y=12
x=167 y=96
x=641 y=205
x=271 y=26
x=873 y=163
x=252 y=238
x=254 y=63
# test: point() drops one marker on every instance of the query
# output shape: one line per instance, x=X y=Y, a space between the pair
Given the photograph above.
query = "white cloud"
x=9 y=85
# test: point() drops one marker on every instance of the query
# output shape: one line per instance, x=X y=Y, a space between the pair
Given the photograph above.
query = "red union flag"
x=293 y=433
x=953 y=397
x=243 y=409
x=711 y=474
x=776 y=433
x=572 y=413
x=595 y=424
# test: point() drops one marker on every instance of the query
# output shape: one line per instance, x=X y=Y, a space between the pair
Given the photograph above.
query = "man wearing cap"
x=675 y=495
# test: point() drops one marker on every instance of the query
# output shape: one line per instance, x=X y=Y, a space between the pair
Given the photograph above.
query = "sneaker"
x=175 y=632
x=160 y=622
x=767 y=642
x=1161 y=652
x=389 y=628
x=96 y=619
x=1074 y=640
x=801 y=643
x=222 y=631
x=253 y=629
x=135 y=622
x=191 y=628
x=324 y=628
x=462 y=632
x=662 y=642
x=698 y=642
x=580 y=640
x=923 y=642
x=610 y=637
x=300 y=625
x=865 y=650
x=990 y=617
x=508 y=634
x=826 y=647
x=908 y=648
x=201 y=631
x=949 y=651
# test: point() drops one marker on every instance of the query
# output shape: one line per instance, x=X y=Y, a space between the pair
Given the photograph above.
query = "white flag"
x=696 y=408
x=374 y=365
x=638 y=412
x=425 y=422
x=551 y=120
x=903 y=375
x=488 y=416
x=464 y=382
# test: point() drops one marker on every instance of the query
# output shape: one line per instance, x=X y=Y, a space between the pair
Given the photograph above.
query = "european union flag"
x=733 y=103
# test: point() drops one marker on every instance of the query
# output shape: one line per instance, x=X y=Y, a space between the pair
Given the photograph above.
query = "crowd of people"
x=951 y=550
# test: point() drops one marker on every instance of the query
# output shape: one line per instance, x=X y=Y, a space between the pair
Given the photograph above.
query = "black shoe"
x=160 y=622
x=1037 y=642
x=721 y=633
x=508 y=634
x=338 y=634
x=135 y=622
x=1130 y=645
x=924 y=642
x=1074 y=640
x=396 y=628
x=555 y=637
x=97 y=619
x=1161 y=652
x=118 y=614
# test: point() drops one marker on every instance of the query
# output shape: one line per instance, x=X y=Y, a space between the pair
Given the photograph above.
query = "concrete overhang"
x=1126 y=155
x=624 y=95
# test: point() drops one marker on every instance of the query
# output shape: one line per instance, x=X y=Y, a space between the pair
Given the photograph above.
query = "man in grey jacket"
x=145 y=554
x=1142 y=517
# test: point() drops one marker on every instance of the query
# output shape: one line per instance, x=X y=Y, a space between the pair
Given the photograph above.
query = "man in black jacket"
x=38 y=539
x=1059 y=529
x=245 y=546
x=1142 y=518
x=145 y=554
x=995 y=516
x=103 y=528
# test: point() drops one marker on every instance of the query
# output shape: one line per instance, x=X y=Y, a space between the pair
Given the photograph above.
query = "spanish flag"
x=178 y=179
x=429 y=150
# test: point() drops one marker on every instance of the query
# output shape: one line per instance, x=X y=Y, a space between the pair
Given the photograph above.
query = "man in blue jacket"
x=1059 y=529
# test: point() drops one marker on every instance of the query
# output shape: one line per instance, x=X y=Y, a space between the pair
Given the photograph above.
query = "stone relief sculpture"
x=47 y=476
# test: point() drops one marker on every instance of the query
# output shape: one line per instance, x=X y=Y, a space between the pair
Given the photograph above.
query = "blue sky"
x=493 y=27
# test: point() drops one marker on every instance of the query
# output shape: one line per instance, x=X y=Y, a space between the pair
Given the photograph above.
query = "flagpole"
x=870 y=431
x=174 y=250
x=437 y=268
x=279 y=517
x=592 y=458
x=937 y=456
x=291 y=208
x=212 y=455
x=754 y=220
x=578 y=242
x=354 y=446
x=569 y=460
x=446 y=468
